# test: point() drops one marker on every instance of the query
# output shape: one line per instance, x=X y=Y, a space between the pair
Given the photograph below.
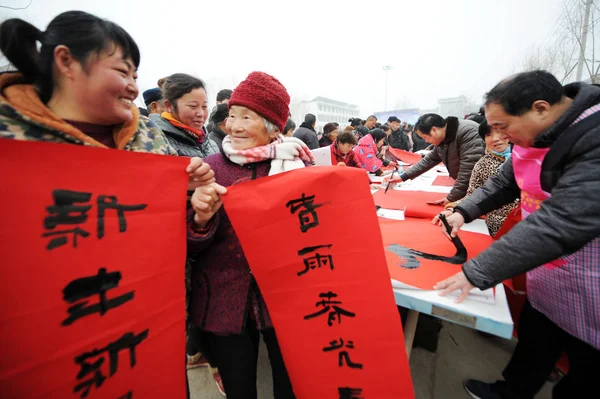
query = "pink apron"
x=566 y=290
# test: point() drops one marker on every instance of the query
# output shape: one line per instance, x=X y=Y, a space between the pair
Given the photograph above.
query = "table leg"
x=410 y=326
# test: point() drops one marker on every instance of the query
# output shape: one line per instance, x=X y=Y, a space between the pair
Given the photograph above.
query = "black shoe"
x=484 y=390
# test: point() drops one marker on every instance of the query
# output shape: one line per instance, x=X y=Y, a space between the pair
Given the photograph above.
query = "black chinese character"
x=343 y=355
x=127 y=341
x=330 y=306
x=350 y=393
x=110 y=202
x=316 y=261
x=308 y=217
x=66 y=212
x=128 y=395
x=94 y=285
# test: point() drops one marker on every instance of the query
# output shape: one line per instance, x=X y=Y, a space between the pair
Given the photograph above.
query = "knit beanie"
x=266 y=96
x=328 y=128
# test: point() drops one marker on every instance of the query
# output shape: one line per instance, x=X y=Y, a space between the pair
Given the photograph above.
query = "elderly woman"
x=367 y=149
x=186 y=102
x=497 y=150
x=227 y=306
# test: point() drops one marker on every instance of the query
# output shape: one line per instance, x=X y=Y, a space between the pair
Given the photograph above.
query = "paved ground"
x=462 y=353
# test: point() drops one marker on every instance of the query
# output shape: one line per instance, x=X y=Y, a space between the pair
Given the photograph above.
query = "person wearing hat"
x=223 y=97
x=226 y=305
x=397 y=138
x=330 y=133
x=218 y=119
x=154 y=101
x=307 y=133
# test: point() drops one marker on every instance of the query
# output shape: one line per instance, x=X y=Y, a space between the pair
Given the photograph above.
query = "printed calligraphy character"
x=128 y=395
x=350 y=393
x=307 y=216
x=68 y=209
x=317 y=260
x=106 y=202
x=343 y=355
x=95 y=285
x=127 y=341
x=330 y=306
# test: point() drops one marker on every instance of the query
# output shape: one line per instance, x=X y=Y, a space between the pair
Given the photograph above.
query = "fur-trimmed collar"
x=24 y=99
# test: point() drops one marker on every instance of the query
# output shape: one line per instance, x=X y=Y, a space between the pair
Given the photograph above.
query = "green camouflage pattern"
x=14 y=125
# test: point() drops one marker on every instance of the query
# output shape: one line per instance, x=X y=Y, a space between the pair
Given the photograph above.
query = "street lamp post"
x=386 y=69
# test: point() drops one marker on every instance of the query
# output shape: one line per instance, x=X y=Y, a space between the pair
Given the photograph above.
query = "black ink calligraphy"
x=343 y=355
x=110 y=202
x=95 y=285
x=330 y=306
x=350 y=393
x=127 y=341
x=307 y=216
x=317 y=260
x=67 y=210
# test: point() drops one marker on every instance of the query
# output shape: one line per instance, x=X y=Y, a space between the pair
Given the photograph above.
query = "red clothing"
x=337 y=157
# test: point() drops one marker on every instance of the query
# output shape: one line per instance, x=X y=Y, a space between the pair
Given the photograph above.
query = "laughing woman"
x=78 y=89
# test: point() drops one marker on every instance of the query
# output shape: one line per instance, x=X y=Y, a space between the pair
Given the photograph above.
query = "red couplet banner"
x=413 y=203
x=92 y=271
x=405 y=156
x=313 y=242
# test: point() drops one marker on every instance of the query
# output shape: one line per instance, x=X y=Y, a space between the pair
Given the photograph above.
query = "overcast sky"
x=330 y=48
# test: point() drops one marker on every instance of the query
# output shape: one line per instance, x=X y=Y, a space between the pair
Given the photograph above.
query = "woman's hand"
x=206 y=201
x=200 y=174
x=341 y=164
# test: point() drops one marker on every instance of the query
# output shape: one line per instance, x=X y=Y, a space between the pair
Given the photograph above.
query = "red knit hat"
x=266 y=96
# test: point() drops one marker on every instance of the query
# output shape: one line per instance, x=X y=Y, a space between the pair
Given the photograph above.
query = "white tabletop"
x=484 y=311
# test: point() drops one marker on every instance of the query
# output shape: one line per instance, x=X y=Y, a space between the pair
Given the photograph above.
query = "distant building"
x=408 y=115
x=456 y=106
x=326 y=110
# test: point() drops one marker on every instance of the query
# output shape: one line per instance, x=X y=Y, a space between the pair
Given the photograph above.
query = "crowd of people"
x=75 y=83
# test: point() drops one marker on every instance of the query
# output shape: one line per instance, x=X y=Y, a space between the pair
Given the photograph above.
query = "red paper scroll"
x=421 y=235
x=314 y=245
x=414 y=203
x=51 y=321
x=405 y=156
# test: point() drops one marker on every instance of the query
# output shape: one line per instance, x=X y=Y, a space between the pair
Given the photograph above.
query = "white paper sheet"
x=322 y=156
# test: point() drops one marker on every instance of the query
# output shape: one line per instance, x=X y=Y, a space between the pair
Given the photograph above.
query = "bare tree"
x=560 y=55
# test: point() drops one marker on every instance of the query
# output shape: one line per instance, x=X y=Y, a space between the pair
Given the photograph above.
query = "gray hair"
x=271 y=128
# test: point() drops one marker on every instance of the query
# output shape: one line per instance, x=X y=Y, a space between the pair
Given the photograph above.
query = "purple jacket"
x=223 y=288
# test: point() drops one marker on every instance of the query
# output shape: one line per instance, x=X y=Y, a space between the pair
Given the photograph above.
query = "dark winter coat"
x=185 y=144
x=460 y=151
